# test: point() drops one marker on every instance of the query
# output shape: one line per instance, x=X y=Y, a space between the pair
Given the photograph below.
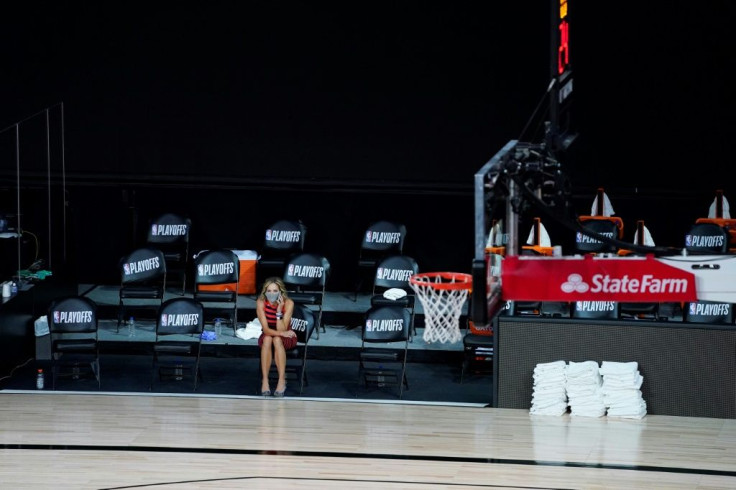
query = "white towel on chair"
x=607 y=206
x=726 y=209
x=252 y=330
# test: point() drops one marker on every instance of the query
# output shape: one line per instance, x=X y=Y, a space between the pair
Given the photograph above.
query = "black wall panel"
x=688 y=370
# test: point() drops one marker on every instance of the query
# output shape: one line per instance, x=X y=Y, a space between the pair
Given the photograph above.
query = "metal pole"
x=63 y=189
x=512 y=220
x=17 y=192
x=554 y=43
x=48 y=191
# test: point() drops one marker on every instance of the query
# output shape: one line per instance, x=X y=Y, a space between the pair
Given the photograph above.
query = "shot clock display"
x=561 y=134
x=563 y=45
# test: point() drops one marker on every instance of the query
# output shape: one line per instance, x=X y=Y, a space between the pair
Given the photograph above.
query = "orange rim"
x=443 y=280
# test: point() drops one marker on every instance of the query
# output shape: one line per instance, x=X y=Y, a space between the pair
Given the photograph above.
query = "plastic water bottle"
x=218 y=327
x=14 y=288
x=39 y=380
x=131 y=327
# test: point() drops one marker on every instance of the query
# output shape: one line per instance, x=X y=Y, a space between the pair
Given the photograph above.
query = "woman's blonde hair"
x=274 y=280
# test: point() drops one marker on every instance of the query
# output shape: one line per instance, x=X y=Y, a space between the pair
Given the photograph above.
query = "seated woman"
x=274 y=309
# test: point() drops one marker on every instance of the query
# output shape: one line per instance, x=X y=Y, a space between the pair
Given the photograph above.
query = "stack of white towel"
x=549 y=396
x=583 y=387
x=621 y=393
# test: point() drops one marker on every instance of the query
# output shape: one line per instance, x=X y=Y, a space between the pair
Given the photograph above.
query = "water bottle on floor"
x=131 y=327
x=218 y=327
x=39 y=380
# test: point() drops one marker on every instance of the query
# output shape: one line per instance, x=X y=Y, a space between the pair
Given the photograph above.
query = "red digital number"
x=563 y=51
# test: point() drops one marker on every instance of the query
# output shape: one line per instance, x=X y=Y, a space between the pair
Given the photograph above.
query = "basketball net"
x=442 y=307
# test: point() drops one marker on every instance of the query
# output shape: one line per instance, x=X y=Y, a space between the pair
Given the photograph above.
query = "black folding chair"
x=380 y=240
x=393 y=273
x=177 y=346
x=305 y=277
x=142 y=281
x=169 y=233
x=216 y=280
x=282 y=240
x=75 y=348
x=384 y=347
x=303 y=323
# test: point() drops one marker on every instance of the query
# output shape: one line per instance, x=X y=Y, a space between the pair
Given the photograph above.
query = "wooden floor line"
x=324 y=479
x=246 y=397
x=352 y=455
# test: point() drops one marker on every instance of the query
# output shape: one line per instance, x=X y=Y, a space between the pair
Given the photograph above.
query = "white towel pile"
x=583 y=387
x=549 y=397
x=621 y=393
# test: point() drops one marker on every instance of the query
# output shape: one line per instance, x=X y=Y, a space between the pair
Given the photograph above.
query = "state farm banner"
x=627 y=279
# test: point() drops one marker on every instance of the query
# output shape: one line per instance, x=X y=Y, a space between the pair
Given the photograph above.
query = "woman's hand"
x=280 y=305
x=288 y=333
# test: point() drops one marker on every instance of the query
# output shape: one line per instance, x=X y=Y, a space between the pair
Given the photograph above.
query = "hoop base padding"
x=442 y=296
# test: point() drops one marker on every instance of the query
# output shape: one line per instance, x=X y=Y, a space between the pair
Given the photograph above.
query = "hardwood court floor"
x=83 y=441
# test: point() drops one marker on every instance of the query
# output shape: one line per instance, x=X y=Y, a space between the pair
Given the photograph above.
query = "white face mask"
x=272 y=297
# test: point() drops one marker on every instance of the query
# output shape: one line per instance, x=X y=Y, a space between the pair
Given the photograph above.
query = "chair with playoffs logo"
x=719 y=214
x=74 y=338
x=302 y=322
x=708 y=312
x=642 y=310
x=380 y=240
x=600 y=223
x=391 y=285
x=282 y=240
x=706 y=238
x=305 y=277
x=176 y=349
x=170 y=233
x=478 y=344
x=595 y=310
x=384 y=347
x=142 y=281
x=216 y=279
x=600 y=226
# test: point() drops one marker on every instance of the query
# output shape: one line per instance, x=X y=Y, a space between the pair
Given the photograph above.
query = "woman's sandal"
x=279 y=394
x=266 y=393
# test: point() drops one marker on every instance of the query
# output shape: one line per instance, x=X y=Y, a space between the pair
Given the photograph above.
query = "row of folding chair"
x=216 y=278
x=75 y=345
x=170 y=232
x=143 y=280
x=180 y=322
x=283 y=239
x=710 y=312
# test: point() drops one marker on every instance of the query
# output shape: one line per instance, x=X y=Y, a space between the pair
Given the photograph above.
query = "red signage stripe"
x=588 y=278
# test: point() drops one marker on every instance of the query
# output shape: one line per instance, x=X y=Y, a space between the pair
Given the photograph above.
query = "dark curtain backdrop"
x=241 y=113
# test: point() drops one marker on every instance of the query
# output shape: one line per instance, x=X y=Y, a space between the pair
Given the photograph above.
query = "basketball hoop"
x=442 y=295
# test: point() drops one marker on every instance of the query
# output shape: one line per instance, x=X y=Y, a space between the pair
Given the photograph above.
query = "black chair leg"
x=96 y=371
x=404 y=381
x=120 y=318
x=358 y=286
x=153 y=375
x=197 y=376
